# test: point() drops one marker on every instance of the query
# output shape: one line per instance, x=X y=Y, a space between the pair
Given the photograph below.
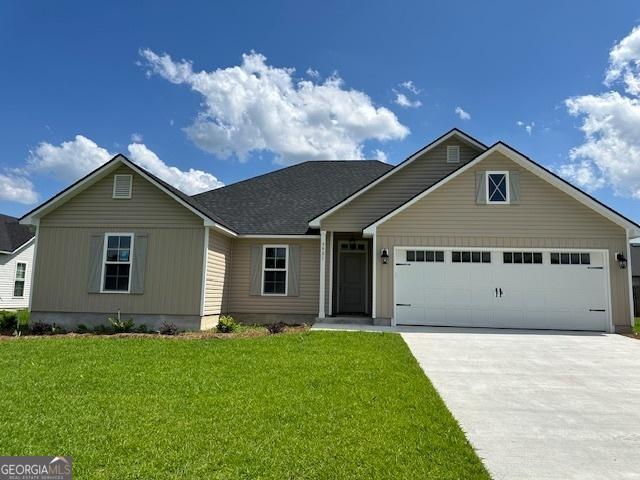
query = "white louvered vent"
x=122 y=186
x=453 y=154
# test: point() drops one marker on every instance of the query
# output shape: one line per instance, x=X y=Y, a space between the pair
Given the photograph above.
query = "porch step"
x=353 y=320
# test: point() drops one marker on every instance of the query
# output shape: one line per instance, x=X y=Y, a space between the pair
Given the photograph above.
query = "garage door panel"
x=534 y=295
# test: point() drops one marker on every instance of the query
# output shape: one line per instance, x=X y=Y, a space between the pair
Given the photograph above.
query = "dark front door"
x=352 y=282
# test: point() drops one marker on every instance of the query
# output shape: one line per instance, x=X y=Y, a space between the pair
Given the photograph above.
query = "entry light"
x=621 y=259
x=384 y=255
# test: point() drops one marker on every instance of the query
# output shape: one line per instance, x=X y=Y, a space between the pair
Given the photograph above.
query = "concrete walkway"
x=540 y=405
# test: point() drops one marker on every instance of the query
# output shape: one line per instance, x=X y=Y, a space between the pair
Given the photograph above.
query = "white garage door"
x=563 y=289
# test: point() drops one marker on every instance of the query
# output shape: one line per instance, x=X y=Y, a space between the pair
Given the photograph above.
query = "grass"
x=312 y=405
x=636 y=326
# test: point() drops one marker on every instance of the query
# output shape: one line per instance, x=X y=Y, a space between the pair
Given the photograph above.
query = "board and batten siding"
x=546 y=217
x=241 y=302
x=173 y=276
x=8 y=274
x=398 y=188
x=219 y=254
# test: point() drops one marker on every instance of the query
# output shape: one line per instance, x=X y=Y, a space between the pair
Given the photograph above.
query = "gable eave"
x=628 y=225
x=315 y=222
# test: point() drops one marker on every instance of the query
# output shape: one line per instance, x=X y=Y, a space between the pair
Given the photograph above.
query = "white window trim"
x=453 y=148
x=23 y=280
x=507 y=189
x=130 y=185
x=286 y=270
x=104 y=260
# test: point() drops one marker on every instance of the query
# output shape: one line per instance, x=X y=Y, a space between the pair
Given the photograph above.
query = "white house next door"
x=502 y=288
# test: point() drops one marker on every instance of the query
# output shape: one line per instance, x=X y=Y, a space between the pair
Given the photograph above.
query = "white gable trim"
x=33 y=217
x=529 y=165
x=315 y=223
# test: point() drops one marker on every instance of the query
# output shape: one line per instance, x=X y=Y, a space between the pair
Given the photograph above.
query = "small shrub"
x=41 y=328
x=8 y=321
x=118 y=325
x=57 y=329
x=101 y=330
x=226 y=324
x=274 y=328
x=82 y=328
x=141 y=328
x=23 y=318
x=168 y=328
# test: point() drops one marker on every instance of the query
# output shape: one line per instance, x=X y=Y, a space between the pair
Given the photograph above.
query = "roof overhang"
x=21 y=247
x=315 y=222
x=33 y=217
x=632 y=228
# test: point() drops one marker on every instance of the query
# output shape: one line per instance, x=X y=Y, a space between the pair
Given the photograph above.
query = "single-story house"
x=16 y=263
x=458 y=234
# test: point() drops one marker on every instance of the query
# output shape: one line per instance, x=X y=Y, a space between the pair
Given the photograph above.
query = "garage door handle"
x=597 y=310
x=402 y=264
x=595 y=268
x=403 y=304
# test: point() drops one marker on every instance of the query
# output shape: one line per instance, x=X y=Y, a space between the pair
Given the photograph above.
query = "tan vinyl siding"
x=398 y=188
x=148 y=206
x=545 y=218
x=172 y=280
x=173 y=275
x=305 y=304
x=218 y=274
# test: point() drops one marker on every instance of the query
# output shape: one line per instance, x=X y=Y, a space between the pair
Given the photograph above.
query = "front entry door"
x=352 y=279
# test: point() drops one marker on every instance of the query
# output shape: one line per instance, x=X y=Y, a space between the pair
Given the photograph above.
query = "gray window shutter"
x=255 y=287
x=140 y=246
x=481 y=187
x=293 y=287
x=514 y=187
x=95 y=263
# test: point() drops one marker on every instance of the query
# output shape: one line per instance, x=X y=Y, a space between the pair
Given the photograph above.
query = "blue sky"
x=76 y=68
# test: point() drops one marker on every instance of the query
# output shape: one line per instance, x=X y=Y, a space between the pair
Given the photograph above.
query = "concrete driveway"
x=540 y=405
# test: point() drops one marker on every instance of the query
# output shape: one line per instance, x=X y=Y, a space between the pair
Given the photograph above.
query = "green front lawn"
x=328 y=405
x=636 y=326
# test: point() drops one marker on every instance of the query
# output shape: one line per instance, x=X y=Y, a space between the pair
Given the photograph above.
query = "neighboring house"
x=635 y=272
x=459 y=234
x=16 y=263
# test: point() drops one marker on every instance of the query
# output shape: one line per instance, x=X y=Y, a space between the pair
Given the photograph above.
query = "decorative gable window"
x=497 y=187
x=453 y=154
x=274 y=273
x=122 y=186
x=18 y=285
x=116 y=272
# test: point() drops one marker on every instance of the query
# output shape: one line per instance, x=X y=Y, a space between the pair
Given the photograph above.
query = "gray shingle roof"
x=12 y=234
x=283 y=202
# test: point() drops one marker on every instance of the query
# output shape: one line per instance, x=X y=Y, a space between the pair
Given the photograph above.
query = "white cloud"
x=68 y=161
x=403 y=101
x=462 y=114
x=72 y=160
x=610 y=153
x=380 y=155
x=255 y=106
x=190 y=182
x=16 y=188
x=137 y=138
x=527 y=126
x=409 y=85
x=313 y=73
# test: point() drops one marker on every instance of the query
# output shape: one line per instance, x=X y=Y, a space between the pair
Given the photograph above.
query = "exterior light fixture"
x=621 y=259
x=384 y=255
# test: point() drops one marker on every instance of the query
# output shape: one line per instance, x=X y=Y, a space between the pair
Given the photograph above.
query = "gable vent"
x=122 y=186
x=453 y=154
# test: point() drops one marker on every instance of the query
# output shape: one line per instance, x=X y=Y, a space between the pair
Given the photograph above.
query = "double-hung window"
x=274 y=272
x=18 y=284
x=498 y=187
x=116 y=272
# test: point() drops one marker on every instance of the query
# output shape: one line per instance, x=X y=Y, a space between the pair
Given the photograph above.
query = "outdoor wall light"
x=384 y=255
x=622 y=260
